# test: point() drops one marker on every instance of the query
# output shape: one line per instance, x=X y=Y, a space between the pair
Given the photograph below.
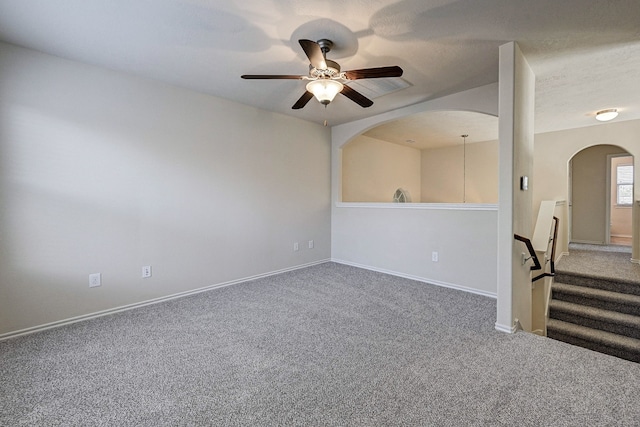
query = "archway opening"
x=601 y=196
x=435 y=156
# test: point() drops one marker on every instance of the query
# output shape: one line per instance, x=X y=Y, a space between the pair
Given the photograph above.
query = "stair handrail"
x=553 y=246
x=552 y=262
x=536 y=263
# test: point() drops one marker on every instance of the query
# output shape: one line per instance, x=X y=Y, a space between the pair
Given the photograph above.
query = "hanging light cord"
x=464 y=168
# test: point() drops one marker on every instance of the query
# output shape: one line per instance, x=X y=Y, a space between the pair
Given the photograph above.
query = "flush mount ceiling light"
x=325 y=89
x=606 y=115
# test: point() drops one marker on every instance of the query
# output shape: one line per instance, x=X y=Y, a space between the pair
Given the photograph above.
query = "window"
x=624 y=181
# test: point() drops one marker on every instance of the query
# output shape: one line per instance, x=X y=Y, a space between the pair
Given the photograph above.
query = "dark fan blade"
x=270 y=76
x=356 y=97
x=374 y=73
x=306 y=97
x=314 y=53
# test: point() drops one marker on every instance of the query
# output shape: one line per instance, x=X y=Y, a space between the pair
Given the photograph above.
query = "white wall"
x=400 y=239
x=105 y=172
x=374 y=170
x=517 y=103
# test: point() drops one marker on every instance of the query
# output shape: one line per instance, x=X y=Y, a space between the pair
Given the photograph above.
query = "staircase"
x=598 y=313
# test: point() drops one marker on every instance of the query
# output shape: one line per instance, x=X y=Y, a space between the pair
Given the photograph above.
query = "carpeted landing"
x=596 y=301
x=329 y=345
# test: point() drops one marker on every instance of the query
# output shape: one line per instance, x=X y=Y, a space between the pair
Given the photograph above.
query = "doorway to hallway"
x=620 y=199
x=601 y=195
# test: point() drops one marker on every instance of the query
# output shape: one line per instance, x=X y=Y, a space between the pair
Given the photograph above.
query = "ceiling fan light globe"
x=325 y=90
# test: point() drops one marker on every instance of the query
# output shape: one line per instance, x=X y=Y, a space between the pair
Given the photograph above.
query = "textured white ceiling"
x=434 y=129
x=585 y=53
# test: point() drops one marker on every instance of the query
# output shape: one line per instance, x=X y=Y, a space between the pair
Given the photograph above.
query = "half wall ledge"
x=423 y=206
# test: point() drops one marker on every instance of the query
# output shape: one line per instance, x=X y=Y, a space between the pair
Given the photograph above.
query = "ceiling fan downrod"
x=325 y=46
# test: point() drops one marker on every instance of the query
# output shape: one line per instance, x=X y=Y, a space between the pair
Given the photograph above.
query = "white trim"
x=588 y=242
x=127 y=307
x=424 y=206
x=507 y=329
x=547 y=301
x=635 y=261
x=418 y=279
x=607 y=215
x=562 y=254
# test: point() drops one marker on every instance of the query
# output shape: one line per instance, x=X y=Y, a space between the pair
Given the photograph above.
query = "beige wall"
x=482 y=172
x=620 y=215
x=589 y=193
x=106 y=172
x=443 y=174
x=373 y=170
x=553 y=150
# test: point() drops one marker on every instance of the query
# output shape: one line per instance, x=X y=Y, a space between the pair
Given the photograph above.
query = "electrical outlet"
x=310 y=244
x=95 y=279
x=146 y=271
x=296 y=246
x=434 y=256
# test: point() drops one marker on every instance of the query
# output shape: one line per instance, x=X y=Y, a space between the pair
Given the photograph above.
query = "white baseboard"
x=587 y=242
x=562 y=254
x=419 y=279
x=508 y=329
x=114 y=310
x=635 y=261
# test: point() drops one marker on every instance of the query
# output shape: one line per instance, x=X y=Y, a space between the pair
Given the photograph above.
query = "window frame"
x=619 y=185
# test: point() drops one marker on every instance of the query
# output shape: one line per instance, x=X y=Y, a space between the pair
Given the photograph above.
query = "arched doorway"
x=601 y=195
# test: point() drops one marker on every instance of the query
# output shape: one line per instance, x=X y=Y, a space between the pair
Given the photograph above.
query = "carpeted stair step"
x=593 y=339
x=598 y=298
x=608 y=284
x=596 y=318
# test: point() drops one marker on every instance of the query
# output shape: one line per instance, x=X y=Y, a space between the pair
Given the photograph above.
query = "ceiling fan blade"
x=356 y=97
x=314 y=53
x=270 y=76
x=374 y=73
x=306 y=97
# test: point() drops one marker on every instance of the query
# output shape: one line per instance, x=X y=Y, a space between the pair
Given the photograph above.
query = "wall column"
x=516 y=134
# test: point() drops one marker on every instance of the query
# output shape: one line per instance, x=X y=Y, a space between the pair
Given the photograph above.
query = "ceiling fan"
x=326 y=79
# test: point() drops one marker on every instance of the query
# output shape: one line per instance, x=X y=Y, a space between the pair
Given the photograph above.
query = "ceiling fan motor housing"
x=332 y=70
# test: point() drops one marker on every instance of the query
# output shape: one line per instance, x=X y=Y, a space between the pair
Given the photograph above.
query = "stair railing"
x=536 y=262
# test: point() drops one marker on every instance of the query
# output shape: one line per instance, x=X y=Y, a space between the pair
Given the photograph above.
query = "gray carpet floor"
x=600 y=248
x=612 y=262
x=322 y=346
